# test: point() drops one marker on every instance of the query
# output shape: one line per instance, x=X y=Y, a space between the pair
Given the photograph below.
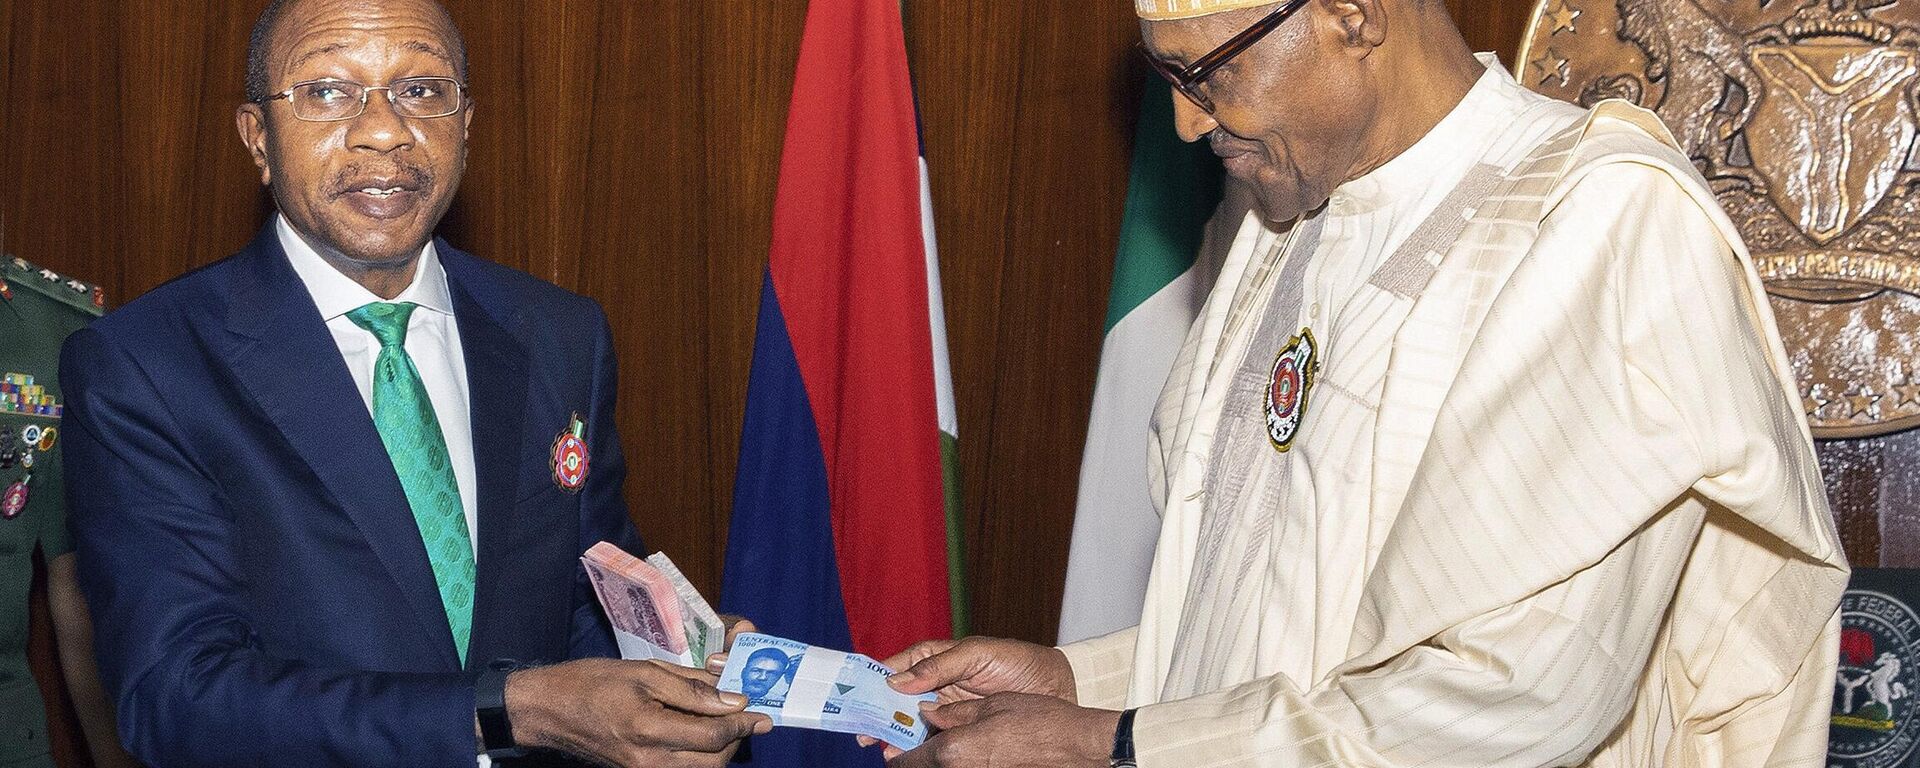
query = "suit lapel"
x=497 y=388
x=291 y=366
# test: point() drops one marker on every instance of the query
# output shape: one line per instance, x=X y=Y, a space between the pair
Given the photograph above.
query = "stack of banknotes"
x=656 y=613
x=806 y=686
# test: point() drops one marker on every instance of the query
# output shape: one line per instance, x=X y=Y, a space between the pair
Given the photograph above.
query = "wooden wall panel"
x=645 y=253
x=630 y=152
x=62 y=134
x=1493 y=25
x=746 y=75
x=497 y=155
x=1027 y=252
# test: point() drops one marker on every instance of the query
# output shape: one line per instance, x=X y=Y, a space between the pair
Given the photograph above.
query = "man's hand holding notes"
x=806 y=686
x=659 y=616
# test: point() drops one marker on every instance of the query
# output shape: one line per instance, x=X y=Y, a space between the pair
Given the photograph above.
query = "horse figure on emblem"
x=1882 y=691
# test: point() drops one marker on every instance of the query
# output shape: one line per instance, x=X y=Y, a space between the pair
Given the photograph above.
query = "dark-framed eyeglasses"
x=328 y=99
x=1188 y=81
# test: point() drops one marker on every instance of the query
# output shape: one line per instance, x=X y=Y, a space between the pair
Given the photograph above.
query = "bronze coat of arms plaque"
x=1802 y=114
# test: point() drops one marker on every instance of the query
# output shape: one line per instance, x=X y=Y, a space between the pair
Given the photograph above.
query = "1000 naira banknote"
x=805 y=686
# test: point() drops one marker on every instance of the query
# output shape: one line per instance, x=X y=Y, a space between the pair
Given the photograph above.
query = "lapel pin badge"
x=14 y=500
x=570 y=456
x=1287 y=388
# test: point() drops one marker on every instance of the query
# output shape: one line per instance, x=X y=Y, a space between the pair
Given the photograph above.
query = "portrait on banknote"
x=768 y=676
x=804 y=686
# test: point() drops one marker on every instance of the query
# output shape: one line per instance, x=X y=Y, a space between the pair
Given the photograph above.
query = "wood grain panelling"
x=629 y=151
x=746 y=74
x=1493 y=25
x=1030 y=241
x=649 y=254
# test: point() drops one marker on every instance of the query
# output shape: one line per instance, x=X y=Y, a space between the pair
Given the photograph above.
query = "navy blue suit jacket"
x=260 y=591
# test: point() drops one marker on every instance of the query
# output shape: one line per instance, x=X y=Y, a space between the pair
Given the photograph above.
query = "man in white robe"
x=1488 y=459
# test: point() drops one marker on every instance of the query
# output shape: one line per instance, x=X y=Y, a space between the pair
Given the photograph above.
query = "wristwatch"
x=490 y=708
x=1122 y=756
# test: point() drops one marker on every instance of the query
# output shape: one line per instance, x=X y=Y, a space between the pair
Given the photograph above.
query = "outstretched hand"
x=960 y=670
x=629 y=713
x=977 y=667
x=1013 y=730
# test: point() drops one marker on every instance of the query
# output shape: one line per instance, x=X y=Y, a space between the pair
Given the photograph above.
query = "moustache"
x=401 y=175
x=1226 y=145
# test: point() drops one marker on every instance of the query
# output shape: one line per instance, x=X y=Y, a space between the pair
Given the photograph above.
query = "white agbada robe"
x=1551 y=500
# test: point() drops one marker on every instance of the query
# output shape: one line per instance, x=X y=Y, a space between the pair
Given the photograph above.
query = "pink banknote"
x=638 y=598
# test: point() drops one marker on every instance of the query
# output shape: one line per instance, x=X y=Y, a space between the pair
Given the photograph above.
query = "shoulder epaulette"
x=17 y=273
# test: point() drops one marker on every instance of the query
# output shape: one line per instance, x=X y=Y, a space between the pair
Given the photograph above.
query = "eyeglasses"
x=1188 y=81
x=330 y=99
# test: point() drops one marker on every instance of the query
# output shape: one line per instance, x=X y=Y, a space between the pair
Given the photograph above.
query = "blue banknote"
x=805 y=686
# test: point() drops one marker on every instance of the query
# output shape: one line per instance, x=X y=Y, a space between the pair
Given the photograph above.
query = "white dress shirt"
x=433 y=341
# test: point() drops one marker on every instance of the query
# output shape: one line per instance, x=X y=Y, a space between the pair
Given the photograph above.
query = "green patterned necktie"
x=412 y=435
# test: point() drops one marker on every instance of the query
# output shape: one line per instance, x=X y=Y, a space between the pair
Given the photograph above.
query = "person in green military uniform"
x=38 y=308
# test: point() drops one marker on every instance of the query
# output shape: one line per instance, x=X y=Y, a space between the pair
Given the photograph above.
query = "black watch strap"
x=490 y=708
x=1122 y=756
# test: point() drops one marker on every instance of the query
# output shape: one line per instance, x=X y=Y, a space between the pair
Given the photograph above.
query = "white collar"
x=1447 y=150
x=336 y=294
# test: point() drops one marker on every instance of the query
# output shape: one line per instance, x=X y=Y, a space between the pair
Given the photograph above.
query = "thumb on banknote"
x=736 y=626
x=956 y=714
x=914 y=676
x=690 y=691
x=889 y=752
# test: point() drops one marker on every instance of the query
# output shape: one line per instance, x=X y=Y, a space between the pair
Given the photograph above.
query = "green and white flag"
x=1166 y=264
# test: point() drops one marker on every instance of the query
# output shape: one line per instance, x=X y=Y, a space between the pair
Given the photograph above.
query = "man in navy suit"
x=324 y=489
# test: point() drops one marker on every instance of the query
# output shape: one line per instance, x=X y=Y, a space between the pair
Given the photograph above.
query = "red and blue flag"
x=844 y=530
